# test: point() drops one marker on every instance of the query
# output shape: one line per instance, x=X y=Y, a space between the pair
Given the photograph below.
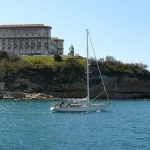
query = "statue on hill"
x=71 y=49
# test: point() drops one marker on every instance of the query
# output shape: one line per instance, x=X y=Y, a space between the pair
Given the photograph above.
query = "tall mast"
x=87 y=63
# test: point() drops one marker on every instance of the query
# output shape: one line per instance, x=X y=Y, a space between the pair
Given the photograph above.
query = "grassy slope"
x=49 y=60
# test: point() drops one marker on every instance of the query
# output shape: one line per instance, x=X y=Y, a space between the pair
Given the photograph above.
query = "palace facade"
x=30 y=39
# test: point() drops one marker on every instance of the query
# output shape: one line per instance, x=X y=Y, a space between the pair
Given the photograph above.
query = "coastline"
x=7 y=95
x=27 y=96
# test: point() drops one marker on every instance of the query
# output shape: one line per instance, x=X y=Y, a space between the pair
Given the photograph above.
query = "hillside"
x=49 y=60
x=44 y=74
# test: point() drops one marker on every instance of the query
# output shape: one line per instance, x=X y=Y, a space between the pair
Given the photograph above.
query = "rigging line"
x=98 y=95
x=69 y=81
x=98 y=68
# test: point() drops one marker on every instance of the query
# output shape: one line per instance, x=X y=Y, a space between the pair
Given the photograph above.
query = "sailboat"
x=88 y=107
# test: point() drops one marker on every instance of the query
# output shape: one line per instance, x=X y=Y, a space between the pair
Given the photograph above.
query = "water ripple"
x=31 y=125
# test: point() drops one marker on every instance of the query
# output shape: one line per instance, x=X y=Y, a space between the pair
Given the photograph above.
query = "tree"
x=110 y=59
x=71 y=49
x=143 y=66
x=3 y=54
x=57 y=57
x=13 y=57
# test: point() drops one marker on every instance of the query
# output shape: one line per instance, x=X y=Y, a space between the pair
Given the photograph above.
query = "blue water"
x=30 y=125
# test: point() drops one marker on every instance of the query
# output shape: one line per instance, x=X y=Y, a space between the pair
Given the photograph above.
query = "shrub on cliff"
x=57 y=57
x=112 y=67
x=69 y=70
x=13 y=57
x=3 y=55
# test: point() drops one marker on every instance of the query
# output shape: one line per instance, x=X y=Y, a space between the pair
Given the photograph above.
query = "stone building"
x=29 y=39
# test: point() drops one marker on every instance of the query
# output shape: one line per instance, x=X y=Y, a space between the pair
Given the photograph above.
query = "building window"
x=47 y=32
x=9 y=48
x=21 y=50
x=46 y=50
x=3 y=48
x=3 y=33
x=3 y=42
x=27 y=33
x=39 y=50
x=60 y=44
x=27 y=51
x=32 y=32
x=9 y=41
x=59 y=51
x=15 y=41
x=39 y=41
x=9 y=32
x=32 y=41
x=20 y=32
x=27 y=41
x=15 y=49
x=33 y=50
x=39 y=32
x=15 y=32
x=21 y=41
x=46 y=41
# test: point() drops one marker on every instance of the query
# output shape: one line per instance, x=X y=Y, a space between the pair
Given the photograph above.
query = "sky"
x=118 y=28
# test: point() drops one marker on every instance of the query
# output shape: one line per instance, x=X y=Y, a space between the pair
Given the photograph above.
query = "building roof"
x=24 y=26
x=57 y=39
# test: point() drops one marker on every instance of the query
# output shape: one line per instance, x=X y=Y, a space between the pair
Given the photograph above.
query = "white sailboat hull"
x=91 y=108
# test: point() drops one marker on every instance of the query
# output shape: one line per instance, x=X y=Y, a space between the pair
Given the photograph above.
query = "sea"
x=31 y=125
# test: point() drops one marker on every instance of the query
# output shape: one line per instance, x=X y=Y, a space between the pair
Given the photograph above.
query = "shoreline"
x=7 y=95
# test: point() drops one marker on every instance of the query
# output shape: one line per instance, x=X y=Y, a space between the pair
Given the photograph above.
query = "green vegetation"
x=45 y=70
x=112 y=67
x=3 y=55
x=49 y=60
x=57 y=57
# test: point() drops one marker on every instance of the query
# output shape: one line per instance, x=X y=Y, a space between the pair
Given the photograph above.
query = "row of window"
x=15 y=41
x=26 y=48
x=27 y=52
x=24 y=32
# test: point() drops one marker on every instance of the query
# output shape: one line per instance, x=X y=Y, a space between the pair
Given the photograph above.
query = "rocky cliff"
x=117 y=87
x=125 y=87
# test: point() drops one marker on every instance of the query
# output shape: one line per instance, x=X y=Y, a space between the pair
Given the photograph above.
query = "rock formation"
x=122 y=87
